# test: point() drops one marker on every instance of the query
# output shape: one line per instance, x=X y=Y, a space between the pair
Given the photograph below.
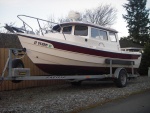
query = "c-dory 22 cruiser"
x=74 y=51
x=76 y=48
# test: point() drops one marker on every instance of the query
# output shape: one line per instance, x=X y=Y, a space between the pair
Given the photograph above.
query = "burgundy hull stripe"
x=78 y=70
x=84 y=50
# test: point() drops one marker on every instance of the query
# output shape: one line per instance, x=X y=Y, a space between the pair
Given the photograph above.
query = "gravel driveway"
x=66 y=98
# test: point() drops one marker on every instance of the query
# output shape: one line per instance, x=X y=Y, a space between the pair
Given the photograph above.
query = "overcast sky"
x=9 y=9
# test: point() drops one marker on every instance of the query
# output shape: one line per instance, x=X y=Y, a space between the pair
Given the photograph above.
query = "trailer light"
x=88 y=77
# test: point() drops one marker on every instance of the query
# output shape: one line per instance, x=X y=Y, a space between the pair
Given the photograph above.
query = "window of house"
x=67 y=30
x=98 y=34
x=112 y=37
x=81 y=30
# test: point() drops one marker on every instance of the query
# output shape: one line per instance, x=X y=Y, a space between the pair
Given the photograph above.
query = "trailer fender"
x=117 y=71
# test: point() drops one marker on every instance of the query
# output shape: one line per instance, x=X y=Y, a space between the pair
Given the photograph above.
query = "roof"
x=129 y=44
x=86 y=24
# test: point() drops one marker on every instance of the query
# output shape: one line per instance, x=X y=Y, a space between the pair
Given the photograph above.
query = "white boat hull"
x=59 y=61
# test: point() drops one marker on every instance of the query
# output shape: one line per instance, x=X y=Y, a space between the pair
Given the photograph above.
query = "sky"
x=9 y=9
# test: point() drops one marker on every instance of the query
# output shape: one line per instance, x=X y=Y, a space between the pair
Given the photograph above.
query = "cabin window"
x=56 y=28
x=81 y=30
x=112 y=37
x=98 y=34
x=95 y=33
x=103 y=35
x=67 y=30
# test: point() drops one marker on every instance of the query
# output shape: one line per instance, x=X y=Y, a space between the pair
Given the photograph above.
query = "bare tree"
x=104 y=15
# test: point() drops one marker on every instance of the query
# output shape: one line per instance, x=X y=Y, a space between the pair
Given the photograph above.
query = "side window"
x=56 y=28
x=94 y=33
x=67 y=30
x=81 y=30
x=112 y=37
x=98 y=34
x=103 y=35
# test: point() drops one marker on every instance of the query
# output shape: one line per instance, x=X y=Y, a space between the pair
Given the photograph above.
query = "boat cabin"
x=89 y=34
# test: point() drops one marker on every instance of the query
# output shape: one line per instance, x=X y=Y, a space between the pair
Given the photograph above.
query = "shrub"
x=145 y=61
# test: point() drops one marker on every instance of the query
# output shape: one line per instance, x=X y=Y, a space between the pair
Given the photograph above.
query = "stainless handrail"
x=24 y=23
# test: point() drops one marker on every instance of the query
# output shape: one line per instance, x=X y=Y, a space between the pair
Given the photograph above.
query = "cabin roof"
x=86 y=24
x=129 y=44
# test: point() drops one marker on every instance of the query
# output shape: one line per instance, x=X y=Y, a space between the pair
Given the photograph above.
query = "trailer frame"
x=19 y=74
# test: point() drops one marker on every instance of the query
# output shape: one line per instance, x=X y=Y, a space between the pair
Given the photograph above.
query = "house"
x=127 y=45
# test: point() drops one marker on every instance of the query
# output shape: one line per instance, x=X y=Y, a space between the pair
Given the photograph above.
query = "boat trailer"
x=17 y=72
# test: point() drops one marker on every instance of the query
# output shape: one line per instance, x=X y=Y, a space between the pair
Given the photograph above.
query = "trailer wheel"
x=121 y=81
x=76 y=83
x=17 y=63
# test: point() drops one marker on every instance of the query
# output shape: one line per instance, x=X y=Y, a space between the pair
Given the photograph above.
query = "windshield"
x=81 y=30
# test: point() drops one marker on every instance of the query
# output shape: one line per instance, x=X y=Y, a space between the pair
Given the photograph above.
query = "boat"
x=76 y=48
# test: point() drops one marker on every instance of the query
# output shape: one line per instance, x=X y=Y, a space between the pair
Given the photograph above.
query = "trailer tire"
x=121 y=81
x=17 y=63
